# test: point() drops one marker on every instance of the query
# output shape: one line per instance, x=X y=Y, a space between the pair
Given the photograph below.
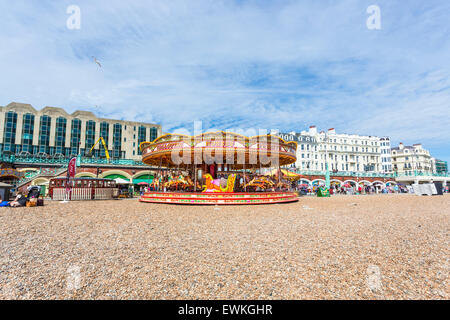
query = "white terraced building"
x=408 y=160
x=308 y=156
x=343 y=152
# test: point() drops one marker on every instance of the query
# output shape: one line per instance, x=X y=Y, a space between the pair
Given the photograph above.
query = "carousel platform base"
x=241 y=198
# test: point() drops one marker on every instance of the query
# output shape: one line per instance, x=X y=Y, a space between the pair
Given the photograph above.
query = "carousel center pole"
x=160 y=178
x=245 y=187
x=195 y=177
x=279 y=176
x=178 y=175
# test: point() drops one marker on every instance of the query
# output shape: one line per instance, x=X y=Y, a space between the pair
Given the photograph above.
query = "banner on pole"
x=71 y=171
x=72 y=168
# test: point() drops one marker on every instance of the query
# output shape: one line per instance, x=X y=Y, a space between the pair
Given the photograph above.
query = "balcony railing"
x=421 y=174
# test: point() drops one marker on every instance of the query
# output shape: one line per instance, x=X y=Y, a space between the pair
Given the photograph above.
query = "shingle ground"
x=343 y=247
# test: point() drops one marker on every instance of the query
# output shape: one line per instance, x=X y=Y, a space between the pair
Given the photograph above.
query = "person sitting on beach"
x=3 y=203
x=19 y=201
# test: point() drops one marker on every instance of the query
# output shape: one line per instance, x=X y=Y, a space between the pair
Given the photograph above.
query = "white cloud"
x=283 y=64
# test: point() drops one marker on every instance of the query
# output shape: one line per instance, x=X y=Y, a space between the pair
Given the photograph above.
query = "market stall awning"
x=122 y=181
x=143 y=178
x=139 y=181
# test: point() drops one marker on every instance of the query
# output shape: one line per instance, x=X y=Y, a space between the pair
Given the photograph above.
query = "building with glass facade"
x=441 y=166
x=52 y=132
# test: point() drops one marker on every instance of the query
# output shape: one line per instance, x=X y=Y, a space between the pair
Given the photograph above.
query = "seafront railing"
x=345 y=174
x=423 y=174
x=370 y=174
x=130 y=162
x=64 y=161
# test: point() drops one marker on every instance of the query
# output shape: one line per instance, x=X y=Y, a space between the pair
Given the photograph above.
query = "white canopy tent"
x=121 y=181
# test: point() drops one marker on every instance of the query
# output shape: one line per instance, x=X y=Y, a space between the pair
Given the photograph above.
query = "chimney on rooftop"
x=312 y=130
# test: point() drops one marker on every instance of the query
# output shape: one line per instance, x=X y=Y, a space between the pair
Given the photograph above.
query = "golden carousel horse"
x=154 y=184
x=190 y=184
x=282 y=186
x=176 y=183
x=213 y=185
x=262 y=182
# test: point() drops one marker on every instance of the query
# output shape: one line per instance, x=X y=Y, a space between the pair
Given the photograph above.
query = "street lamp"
x=327 y=170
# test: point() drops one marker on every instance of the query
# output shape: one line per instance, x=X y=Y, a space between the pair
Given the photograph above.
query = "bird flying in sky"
x=96 y=61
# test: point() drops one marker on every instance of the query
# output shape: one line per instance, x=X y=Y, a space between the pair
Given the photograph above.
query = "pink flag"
x=72 y=168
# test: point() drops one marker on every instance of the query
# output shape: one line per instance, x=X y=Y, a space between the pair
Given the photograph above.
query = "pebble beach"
x=343 y=247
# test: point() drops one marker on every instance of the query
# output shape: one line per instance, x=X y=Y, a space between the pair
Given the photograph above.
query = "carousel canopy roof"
x=234 y=150
x=287 y=174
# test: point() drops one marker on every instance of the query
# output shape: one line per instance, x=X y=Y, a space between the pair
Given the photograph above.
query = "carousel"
x=218 y=168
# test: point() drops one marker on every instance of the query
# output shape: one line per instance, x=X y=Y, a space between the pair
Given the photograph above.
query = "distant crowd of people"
x=368 y=189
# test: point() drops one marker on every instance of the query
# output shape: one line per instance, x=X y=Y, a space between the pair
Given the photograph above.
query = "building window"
x=27 y=132
x=153 y=133
x=142 y=136
x=90 y=136
x=75 y=137
x=44 y=134
x=60 y=136
x=117 y=140
x=9 y=134
x=104 y=133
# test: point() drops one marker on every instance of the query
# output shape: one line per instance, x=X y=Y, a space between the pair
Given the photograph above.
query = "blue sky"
x=238 y=64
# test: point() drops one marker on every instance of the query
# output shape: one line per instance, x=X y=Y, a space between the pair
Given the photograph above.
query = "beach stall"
x=85 y=188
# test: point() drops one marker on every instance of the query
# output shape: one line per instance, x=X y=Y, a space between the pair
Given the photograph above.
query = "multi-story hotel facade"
x=53 y=132
x=307 y=150
x=342 y=152
x=411 y=160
